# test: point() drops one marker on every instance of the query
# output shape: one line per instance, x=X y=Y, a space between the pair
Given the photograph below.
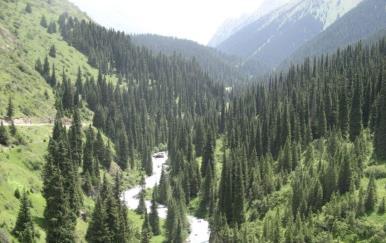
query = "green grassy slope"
x=21 y=168
x=22 y=41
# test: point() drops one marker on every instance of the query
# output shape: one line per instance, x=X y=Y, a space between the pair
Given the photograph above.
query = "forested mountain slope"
x=136 y=111
x=298 y=158
x=364 y=21
x=220 y=67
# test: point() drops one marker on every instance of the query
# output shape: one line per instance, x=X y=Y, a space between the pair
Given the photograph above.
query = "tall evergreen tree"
x=146 y=231
x=4 y=136
x=380 y=127
x=356 y=113
x=24 y=229
x=153 y=216
x=371 y=195
x=59 y=221
x=207 y=157
x=98 y=228
x=10 y=109
x=75 y=138
x=345 y=175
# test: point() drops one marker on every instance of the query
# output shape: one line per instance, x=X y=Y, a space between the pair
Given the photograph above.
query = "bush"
x=17 y=193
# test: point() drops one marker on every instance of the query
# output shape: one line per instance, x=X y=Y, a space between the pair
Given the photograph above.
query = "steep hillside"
x=23 y=40
x=221 y=67
x=276 y=35
x=366 y=20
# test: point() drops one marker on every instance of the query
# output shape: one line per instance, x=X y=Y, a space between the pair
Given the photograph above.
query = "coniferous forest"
x=299 y=156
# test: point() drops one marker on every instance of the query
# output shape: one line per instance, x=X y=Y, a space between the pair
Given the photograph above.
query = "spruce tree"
x=343 y=113
x=207 y=157
x=380 y=126
x=147 y=162
x=12 y=128
x=208 y=189
x=356 y=113
x=164 y=188
x=4 y=136
x=75 y=138
x=88 y=154
x=52 y=51
x=59 y=224
x=43 y=22
x=51 y=28
x=122 y=151
x=153 y=216
x=371 y=195
x=24 y=229
x=345 y=175
x=141 y=209
x=98 y=228
x=28 y=8
x=381 y=206
x=10 y=109
x=53 y=80
x=146 y=231
x=171 y=221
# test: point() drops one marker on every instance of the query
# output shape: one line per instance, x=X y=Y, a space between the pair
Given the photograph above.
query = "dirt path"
x=26 y=122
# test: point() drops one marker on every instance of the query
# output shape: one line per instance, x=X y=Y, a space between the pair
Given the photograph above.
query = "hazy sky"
x=191 y=19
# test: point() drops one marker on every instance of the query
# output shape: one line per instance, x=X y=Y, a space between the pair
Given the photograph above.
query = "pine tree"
x=122 y=150
x=53 y=80
x=46 y=69
x=43 y=22
x=153 y=216
x=28 y=8
x=199 y=138
x=164 y=188
x=108 y=157
x=141 y=209
x=75 y=138
x=147 y=162
x=99 y=148
x=380 y=127
x=13 y=129
x=207 y=157
x=171 y=221
x=343 y=114
x=381 y=206
x=10 y=109
x=52 y=51
x=51 y=28
x=146 y=232
x=356 y=113
x=98 y=228
x=4 y=136
x=208 y=189
x=88 y=154
x=24 y=229
x=57 y=214
x=345 y=175
x=238 y=197
x=371 y=195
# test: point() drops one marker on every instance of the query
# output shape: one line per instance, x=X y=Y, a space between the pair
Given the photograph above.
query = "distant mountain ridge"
x=276 y=35
x=220 y=66
x=366 y=21
x=230 y=26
